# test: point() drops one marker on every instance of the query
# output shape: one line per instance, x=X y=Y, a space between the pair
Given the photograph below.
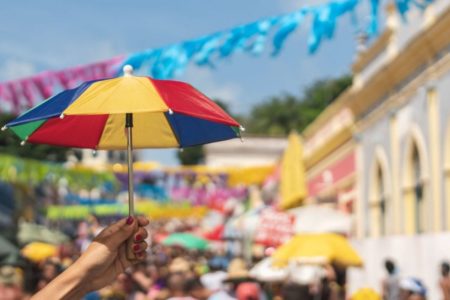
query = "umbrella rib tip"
x=4 y=128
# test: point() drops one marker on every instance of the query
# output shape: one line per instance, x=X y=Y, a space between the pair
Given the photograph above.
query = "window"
x=378 y=202
x=415 y=193
x=418 y=191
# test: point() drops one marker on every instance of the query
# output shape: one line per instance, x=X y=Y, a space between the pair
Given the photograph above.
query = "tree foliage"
x=281 y=114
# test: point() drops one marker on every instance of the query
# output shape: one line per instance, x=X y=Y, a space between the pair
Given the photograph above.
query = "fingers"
x=141 y=234
x=139 y=248
x=124 y=262
x=142 y=221
x=117 y=233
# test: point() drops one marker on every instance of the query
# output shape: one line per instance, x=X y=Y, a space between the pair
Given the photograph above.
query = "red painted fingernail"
x=130 y=220
x=136 y=247
x=138 y=237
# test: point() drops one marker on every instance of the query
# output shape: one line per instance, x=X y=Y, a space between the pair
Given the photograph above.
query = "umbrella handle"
x=129 y=127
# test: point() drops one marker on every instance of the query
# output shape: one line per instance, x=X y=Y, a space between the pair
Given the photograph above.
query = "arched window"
x=415 y=191
x=378 y=202
x=447 y=179
x=418 y=191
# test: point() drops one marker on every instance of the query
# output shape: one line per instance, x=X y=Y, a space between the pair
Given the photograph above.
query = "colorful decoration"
x=32 y=172
x=171 y=61
x=149 y=208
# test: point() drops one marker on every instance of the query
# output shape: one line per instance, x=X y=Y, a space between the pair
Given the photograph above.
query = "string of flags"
x=171 y=61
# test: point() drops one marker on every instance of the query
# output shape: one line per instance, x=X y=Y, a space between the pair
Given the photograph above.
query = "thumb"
x=115 y=234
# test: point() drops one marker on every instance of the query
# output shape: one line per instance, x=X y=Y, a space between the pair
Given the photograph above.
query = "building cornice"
x=417 y=55
x=366 y=57
x=393 y=102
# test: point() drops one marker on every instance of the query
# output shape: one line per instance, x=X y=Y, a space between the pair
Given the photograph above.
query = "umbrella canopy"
x=38 y=251
x=293 y=179
x=165 y=113
x=320 y=219
x=186 y=240
x=125 y=113
x=29 y=232
x=331 y=247
x=365 y=294
x=265 y=271
x=216 y=234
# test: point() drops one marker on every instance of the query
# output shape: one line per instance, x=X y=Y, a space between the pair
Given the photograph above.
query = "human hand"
x=103 y=260
x=106 y=256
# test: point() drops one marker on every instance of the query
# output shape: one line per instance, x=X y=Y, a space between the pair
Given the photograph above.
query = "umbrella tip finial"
x=127 y=70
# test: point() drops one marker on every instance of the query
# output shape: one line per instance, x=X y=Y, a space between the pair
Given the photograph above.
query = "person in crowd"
x=177 y=287
x=49 y=270
x=390 y=285
x=412 y=289
x=295 y=291
x=213 y=280
x=444 y=281
x=10 y=284
x=101 y=263
x=195 y=289
x=248 y=291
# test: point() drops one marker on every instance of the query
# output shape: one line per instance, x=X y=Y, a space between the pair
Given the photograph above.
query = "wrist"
x=70 y=284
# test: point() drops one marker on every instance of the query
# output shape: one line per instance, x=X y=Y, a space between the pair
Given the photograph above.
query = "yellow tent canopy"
x=330 y=247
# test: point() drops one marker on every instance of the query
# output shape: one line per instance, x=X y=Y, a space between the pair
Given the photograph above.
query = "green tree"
x=281 y=114
x=191 y=156
x=10 y=144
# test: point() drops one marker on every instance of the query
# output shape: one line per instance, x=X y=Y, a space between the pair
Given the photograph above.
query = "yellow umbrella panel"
x=331 y=247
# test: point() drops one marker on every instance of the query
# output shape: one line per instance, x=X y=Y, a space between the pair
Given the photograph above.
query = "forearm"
x=68 y=285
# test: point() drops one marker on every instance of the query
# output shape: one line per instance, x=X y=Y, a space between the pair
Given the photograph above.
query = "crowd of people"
x=176 y=273
x=395 y=287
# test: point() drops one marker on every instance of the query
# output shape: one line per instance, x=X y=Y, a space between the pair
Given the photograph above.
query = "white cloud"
x=203 y=79
x=47 y=56
x=15 y=68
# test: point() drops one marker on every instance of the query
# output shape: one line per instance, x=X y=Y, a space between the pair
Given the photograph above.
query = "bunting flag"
x=171 y=61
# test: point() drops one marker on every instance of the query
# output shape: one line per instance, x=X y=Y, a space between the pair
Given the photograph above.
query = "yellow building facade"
x=395 y=120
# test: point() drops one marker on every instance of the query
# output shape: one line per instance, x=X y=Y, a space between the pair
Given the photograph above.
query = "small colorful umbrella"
x=102 y=114
x=186 y=240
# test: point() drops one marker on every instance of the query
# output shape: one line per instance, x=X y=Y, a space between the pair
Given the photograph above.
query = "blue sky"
x=52 y=34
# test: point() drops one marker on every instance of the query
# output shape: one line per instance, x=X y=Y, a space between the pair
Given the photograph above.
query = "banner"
x=275 y=228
